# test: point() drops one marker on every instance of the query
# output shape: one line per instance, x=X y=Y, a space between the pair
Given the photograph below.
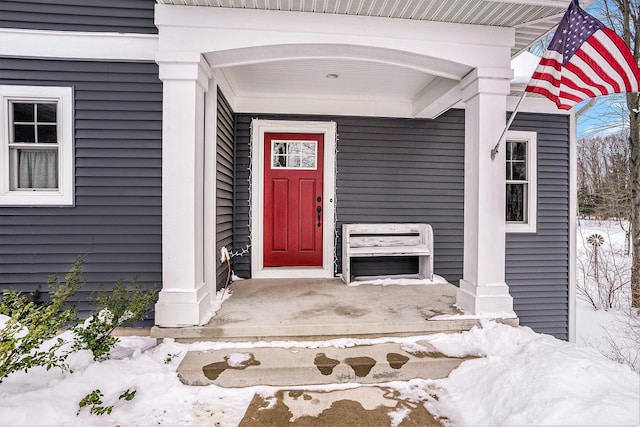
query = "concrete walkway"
x=321 y=309
x=275 y=366
x=357 y=407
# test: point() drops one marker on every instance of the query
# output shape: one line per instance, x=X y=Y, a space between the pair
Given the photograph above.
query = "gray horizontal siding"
x=395 y=170
x=121 y=16
x=537 y=265
x=398 y=170
x=224 y=184
x=370 y=188
x=117 y=219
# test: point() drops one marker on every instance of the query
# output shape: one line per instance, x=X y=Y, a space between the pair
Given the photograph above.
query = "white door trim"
x=259 y=128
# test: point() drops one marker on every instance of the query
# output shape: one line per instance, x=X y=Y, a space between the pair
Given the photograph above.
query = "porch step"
x=276 y=366
x=237 y=332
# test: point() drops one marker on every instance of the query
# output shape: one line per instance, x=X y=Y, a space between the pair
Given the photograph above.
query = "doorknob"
x=319 y=210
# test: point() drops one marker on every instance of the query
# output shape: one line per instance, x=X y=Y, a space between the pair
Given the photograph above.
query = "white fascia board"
x=219 y=29
x=78 y=45
x=536 y=104
x=366 y=107
x=328 y=106
x=529 y=105
x=322 y=23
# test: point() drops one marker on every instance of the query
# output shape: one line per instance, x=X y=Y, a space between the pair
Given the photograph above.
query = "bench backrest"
x=387 y=235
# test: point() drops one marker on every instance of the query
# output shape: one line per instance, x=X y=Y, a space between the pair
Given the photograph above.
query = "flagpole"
x=513 y=116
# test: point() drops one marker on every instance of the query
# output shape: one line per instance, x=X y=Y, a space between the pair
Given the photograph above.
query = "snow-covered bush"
x=603 y=269
x=125 y=303
x=28 y=328
x=27 y=325
x=96 y=406
x=624 y=339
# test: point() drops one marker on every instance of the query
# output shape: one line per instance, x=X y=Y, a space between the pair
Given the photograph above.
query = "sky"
x=608 y=115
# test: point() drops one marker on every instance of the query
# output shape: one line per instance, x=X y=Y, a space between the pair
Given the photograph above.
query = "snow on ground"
x=522 y=378
x=437 y=280
x=532 y=379
x=598 y=328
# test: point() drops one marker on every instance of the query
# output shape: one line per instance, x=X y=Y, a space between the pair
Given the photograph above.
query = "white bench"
x=388 y=240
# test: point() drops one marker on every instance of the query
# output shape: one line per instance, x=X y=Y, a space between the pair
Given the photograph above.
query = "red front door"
x=293 y=199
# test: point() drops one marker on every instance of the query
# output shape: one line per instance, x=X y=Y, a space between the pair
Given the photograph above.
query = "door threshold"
x=293 y=273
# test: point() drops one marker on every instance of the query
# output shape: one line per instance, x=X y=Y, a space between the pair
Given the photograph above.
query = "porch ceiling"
x=326 y=82
x=332 y=77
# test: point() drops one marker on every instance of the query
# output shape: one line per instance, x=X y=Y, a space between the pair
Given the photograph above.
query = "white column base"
x=492 y=299
x=176 y=307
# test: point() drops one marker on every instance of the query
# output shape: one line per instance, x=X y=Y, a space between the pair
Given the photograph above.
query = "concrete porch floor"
x=321 y=309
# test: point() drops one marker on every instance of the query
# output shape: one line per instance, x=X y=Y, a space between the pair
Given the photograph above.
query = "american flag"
x=585 y=59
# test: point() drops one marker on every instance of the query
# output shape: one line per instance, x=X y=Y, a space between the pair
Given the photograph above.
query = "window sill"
x=28 y=198
x=521 y=228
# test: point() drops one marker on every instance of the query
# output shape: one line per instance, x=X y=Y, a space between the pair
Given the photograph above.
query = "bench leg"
x=346 y=269
x=425 y=268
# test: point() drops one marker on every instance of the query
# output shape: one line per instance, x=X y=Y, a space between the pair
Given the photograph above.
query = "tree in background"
x=603 y=176
x=624 y=17
x=604 y=189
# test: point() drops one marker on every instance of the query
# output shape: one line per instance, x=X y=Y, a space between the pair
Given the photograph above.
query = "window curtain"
x=37 y=169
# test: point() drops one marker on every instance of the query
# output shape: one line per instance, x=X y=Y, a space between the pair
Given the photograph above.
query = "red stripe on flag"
x=571 y=97
x=566 y=81
x=550 y=62
x=546 y=77
x=551 y=96
x=593 y=64
x=585 y=78
x=611 y=59
x=628 y=57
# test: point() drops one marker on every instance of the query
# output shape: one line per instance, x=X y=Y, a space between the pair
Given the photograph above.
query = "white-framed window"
x=522 y=182
x=36 y=146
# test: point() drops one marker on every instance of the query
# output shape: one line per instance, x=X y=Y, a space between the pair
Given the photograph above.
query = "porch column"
x=483 y=289
x=185 y=297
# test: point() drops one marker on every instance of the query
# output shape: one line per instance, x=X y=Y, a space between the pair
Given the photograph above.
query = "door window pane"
x=294 y=154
